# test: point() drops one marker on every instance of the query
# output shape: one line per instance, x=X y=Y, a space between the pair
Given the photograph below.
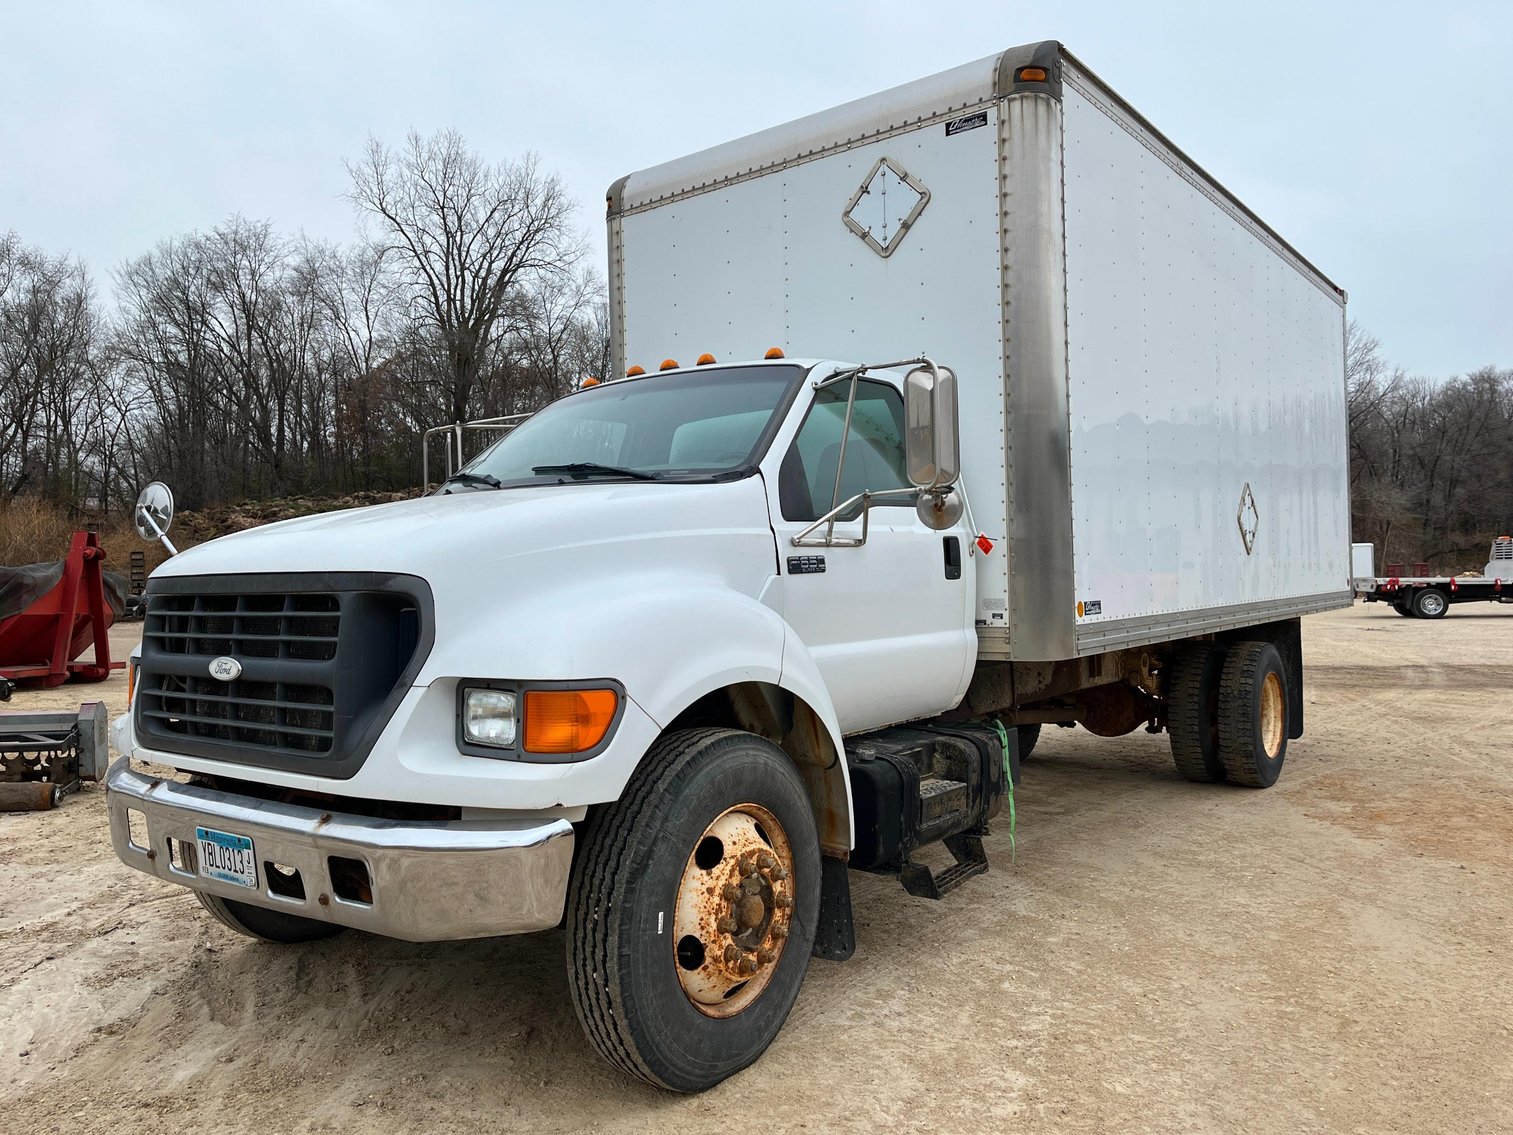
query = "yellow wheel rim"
x=1273 y=716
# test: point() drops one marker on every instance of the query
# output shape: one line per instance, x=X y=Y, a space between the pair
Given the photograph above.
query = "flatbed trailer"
x=1427 y=596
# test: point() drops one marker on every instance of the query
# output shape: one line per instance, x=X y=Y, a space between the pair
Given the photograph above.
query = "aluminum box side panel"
x=768 y=261
x=1203 y=358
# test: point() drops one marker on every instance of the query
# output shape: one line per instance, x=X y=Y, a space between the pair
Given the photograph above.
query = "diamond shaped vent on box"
x=1248 y=519
x=889 y=201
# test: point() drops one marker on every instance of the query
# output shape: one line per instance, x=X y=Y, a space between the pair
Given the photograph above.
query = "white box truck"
x=1055 y=433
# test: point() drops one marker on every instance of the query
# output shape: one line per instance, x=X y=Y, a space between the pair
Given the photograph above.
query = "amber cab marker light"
x=773 y=353
x=669 y=364
x=1032 y=74
x=705 y=359
x=633 y=371
x=590 y=381
x=567 y=721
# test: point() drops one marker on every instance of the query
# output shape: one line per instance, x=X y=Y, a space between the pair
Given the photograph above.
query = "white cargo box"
x=1152 y=381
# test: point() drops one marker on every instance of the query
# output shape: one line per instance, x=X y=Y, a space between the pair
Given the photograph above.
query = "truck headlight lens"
x=489 y=718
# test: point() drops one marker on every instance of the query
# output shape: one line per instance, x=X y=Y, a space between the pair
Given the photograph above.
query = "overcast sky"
x=1377 y=138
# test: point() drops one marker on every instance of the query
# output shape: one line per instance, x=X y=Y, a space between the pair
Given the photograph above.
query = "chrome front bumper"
x=427 y=881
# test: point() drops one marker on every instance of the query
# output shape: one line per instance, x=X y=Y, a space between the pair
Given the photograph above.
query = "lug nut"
x=765 y=955
x=746 y=966
x=767 y=861
x=730 y=892
x=779 y=930
x=732 y=955
x=783 y=901
x=726 y=925
x=779 y=873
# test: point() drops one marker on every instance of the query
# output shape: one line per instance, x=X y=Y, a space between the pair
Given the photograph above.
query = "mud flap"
x=835 y=934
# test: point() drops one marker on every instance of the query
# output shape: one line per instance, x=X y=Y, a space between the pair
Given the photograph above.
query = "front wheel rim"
x=734 y=910
x=1273 y=716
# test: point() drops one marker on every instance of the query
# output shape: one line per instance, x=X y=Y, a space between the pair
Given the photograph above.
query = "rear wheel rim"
x=734 y=910
x=1273 y=716
x=1431 y=604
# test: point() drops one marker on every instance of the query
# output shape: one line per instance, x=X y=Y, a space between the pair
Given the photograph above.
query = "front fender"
x=670 y=645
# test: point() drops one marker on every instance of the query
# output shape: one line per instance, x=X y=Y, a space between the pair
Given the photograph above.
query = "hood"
x=597 y=521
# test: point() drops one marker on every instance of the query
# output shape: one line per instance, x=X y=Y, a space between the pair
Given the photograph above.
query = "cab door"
x=889 y=624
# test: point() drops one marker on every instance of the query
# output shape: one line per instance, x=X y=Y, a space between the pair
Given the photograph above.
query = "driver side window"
x=874 y=450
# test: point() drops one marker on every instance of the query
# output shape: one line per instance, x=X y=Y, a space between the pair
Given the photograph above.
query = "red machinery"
x=39 y=642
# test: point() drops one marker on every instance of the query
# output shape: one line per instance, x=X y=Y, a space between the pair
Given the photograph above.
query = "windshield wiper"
x=594 y=469
x=465 y=478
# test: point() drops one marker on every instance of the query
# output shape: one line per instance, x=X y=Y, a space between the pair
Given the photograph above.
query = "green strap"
x=1008 y=776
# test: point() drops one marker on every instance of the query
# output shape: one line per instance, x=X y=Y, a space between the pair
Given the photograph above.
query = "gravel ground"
x=1328 y=955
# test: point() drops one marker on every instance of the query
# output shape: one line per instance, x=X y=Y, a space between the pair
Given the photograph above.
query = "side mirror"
x=153 y=515
x=931 y=448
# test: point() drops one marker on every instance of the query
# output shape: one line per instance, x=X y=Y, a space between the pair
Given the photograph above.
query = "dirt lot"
x=1329 y=955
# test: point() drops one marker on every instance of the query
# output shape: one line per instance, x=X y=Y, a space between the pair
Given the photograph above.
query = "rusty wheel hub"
x=735 y=905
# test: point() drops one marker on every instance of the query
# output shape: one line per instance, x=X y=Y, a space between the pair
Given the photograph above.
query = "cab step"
x=917 y=785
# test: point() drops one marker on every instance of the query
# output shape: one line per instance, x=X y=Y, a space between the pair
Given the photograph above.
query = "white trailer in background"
x=1060 y=438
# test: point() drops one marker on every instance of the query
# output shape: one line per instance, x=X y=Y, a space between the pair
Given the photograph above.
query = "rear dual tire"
x=1227 y=712
x=1253 y=721
x=1430 y=603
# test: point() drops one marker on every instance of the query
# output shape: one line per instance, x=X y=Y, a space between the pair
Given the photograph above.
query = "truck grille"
x=320 y=662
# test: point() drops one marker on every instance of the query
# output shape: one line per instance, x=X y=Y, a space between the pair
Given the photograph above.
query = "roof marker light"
x=669 y=364
x=705 y=359
x=774 y=353
x=633 y=371
x=587 y=382
x=1032 y=74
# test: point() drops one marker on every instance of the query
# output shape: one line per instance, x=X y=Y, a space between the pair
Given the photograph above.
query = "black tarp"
x=22 y=586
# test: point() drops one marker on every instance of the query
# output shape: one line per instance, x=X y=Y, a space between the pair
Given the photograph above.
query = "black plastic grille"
x=259 y=626
x=273 y=715
x=320 y=663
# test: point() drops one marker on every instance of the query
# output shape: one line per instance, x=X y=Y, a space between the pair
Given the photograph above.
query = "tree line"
x=1431 y=462
x=247 y=363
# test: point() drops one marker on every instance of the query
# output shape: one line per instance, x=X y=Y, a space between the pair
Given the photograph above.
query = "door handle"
x=953 y=557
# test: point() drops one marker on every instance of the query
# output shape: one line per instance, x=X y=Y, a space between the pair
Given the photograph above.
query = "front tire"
x=266 y=925
x=693 y=909
x=1253 y=721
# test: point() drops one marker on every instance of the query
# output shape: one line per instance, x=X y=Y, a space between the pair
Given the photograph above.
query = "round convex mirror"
x=156 y=502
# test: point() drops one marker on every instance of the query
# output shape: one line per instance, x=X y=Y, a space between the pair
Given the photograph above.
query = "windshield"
x=689 y=426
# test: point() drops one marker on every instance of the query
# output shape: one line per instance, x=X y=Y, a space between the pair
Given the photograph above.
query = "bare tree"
x=468 y=236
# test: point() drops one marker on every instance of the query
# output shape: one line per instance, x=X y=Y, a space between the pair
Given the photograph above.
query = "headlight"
x=489 y=718
x=537 y=721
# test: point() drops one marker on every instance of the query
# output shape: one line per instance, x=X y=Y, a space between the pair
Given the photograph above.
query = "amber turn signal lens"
x=1032 y=74
x=131 y=681
x=567 y=721
x=773 y=353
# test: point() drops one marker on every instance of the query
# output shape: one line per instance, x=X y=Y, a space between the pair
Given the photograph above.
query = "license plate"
x=226 y=857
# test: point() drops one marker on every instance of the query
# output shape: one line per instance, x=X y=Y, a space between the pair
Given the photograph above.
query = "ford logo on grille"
x=226 y=669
